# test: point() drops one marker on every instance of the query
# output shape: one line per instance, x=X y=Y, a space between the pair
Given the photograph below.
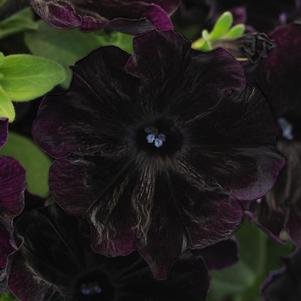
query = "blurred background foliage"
x=22 y=32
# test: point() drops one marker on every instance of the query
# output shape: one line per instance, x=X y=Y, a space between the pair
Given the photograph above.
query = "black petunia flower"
x=129 y=16
x=279 y=79
x=158 y=150
x=12 y=183
x=285 y=283
x=54 y=262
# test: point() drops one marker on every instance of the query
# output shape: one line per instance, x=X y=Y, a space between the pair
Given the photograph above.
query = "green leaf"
x=68 y=47
x=2 y=2
x=1 y=58
x=241 y=277
x=6 y=107
x=35 y=162
x=26 y=77
x=19 y=22
x=7 y=297
x=204 y=43
x=235 y=32
x=222 y=26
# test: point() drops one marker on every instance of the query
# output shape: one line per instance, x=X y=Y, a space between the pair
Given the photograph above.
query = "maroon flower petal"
x=66 y=123
x=6 y=247
x=3 y=131
x=24 y=285
x=12 y=183
x=113 y=222
x=182 y=70
x=178 y=279
x=281 y=70
x=293 y=226
x=269 y=219
x=232 y=153
x=131 y=16
x=220 y=255
x=77 y=184
x=163 y=243
x=208 y=216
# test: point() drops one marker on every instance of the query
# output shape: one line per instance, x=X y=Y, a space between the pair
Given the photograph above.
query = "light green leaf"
x=19 y=22
x=235 y=32
x=6 y=107
x=35 y=162
x=68 y=47
x=1 y=58
x=26 y=77
x=7 y=297
x=222 y=26
x=243 y=276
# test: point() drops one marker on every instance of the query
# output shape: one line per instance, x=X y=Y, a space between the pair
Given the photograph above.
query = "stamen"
x=287 y=128
x=154 y=137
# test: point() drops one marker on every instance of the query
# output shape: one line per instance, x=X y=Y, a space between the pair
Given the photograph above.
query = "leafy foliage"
x=222 y=31
x=68 y=47
x=35 y=162
x=258 y=256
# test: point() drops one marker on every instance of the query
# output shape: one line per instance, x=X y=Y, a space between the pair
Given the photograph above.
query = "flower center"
x=154 y=137
x=290 y=125
x=90 y=289
x=94 y=286
x=287 y=128
x=159 y=137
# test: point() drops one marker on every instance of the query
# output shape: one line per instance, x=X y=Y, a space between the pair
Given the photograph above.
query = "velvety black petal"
x=220 y=255
x=12 y=183
x=188 y=280
x=130 y=16
x=185 y=80
x=280 y=209
x=268 y=217
x=165 y=240
x=98 y=95
x=230 y=154
x=208 y=216
x=24 y=285
x=3 y=131
x=6 y=247
x=285 y=283
x=55 y=262
x=281 y=70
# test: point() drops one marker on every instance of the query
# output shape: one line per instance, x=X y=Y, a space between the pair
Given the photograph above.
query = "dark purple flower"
x=55 y=262
x=12 y=183
x=280 y=72
x=157 y=150
x=221 y=255
x=279 y=76
x=131 y=16
x=285 y=284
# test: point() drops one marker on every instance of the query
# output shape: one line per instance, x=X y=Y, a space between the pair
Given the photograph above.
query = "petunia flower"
x=55 y=262
x=158 y=150
x=129 y=16
x=12 y=186
x=284 y=284
x=279 y=80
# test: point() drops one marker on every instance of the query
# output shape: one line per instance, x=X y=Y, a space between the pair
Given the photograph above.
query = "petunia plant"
x=138 y=165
